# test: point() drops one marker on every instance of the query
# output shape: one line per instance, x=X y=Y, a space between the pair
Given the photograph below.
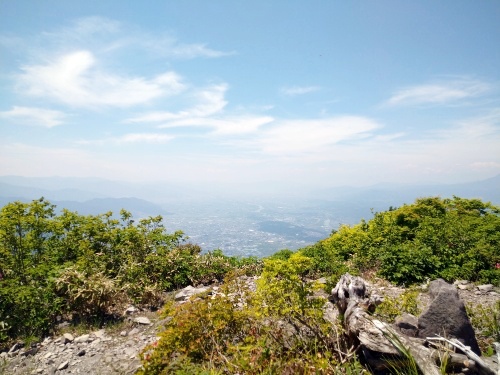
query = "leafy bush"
x=86 y=266
x=449 y=238
x=392 y=307
x=89 y=295
x=279 y=329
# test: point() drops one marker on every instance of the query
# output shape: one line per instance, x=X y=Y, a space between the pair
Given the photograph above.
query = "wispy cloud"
x=206 y=102
x=144 y=138
x=130 y=138
x=228 y=125
x=438 y=93
x=34 y=116
x=299 y=90
x=295 y=137
x=74 y=79
x=105 y=34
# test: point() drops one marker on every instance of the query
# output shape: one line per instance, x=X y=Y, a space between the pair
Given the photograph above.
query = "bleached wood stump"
x=381 y=344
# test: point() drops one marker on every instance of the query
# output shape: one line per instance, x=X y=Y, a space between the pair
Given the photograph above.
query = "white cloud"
x=171 y=47
x=299 y=90
x=208 y=101
x=229 y=125
x=75 y=80
x=130 y=138
x=294 y=137
x=438 y=93
x=104 y=34
x=144 y=138
x=34 y=116
x=207 y=112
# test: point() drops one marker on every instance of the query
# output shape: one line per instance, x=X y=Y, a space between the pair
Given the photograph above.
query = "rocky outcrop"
x=446 y=316
x=383 y=345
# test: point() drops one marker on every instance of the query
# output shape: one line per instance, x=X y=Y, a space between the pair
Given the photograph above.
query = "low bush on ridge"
x=86 y=267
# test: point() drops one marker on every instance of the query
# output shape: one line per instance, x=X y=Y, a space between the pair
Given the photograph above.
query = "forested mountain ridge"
x=85 y=268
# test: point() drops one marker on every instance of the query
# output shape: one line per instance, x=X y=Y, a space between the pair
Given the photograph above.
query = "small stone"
x=100 y=334
x=485 y=288
x=48 y=355
x=463 y=286
x=68 y=337
x=142 y=320
x=81 y=353
x=63 y=366
x=133 y=332
x=3 y=355
x=31 y=351
x=15 y=347
x=82 y=339
x=123 y=333
x=131 y=310
x=39 y=370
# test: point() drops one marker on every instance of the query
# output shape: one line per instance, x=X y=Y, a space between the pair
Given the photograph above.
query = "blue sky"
x=251 y=93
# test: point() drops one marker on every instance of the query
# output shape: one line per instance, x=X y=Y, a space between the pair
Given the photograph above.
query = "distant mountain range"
x=486 y=190
x=94 y=196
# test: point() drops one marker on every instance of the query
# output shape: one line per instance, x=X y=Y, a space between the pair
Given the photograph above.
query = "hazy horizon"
x=275 y=97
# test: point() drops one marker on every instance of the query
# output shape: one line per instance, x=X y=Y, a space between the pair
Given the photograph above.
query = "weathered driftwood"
x=352 y=300
x=383 y=346
x=482 y=367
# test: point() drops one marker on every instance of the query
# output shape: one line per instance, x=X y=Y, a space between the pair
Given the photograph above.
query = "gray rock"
x=82 y=339
x=142 y=320
x=131 y=310
x=407 y=324
x=63 y=366
x=446 y=316
x=123 y=333
x=15 y=347
x=133 y=332
x=81 y=353
x=189 y=291
x=100 y=333
x=31 y=351
x=67 y=337
x=485 y=288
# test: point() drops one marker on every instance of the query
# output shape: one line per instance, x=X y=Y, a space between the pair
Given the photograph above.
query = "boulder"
x=407 y=324
x=189 y=291
x=485 y=288
x=446 y=316
x=142 y=320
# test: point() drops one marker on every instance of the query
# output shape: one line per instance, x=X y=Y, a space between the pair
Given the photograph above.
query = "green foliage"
x=88 y=295
x=86 y=266
x=280 y=329
x=449 y=238
x=392 y=307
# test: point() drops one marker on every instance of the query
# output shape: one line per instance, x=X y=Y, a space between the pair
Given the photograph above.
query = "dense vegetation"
x=86 y=267
x=433 y=237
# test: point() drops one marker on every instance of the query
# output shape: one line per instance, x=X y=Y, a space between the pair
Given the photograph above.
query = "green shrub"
x=27 y=311
x=89 y=296
x=392 y=307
